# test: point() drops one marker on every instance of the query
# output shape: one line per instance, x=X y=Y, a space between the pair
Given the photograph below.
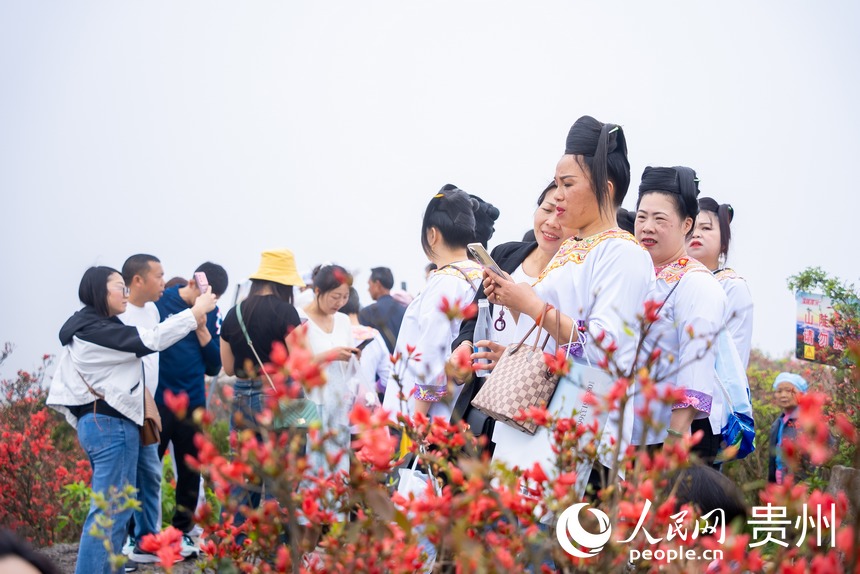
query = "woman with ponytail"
x=595 y=284
x=709 y=243
x=692 y=313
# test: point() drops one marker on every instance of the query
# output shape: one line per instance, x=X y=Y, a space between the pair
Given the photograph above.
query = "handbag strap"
x=92 y=390
x=546 y=310
x=251 y=344
x=539 y=327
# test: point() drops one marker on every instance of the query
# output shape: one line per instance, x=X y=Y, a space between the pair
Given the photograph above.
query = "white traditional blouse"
x=601 y=282
x=739 y=313
x=686 y=328
x=504 y=327
x=426 y=328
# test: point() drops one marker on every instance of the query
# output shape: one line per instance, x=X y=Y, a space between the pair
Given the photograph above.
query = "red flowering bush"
x=38 y=459
x=465 y=513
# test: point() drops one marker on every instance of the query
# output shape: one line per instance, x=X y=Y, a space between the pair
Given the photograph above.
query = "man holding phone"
x=182 y=369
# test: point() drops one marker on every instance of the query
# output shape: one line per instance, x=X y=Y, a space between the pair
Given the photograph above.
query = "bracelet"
x=546 y=309
x=471 y=345
x=673 y=432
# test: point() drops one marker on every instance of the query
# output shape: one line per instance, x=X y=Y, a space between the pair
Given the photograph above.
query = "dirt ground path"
x=65 y=555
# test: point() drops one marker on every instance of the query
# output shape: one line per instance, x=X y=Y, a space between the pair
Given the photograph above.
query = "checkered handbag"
x=520 y=379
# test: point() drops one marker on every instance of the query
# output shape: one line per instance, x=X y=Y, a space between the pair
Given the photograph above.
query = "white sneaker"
x=128 y=547
x=189 y=547
x=196 y=532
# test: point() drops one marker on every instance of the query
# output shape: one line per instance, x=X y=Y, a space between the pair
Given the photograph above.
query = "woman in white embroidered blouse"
x=709 y=244
x=690 y=318
x=448 y=226
x=597 y=280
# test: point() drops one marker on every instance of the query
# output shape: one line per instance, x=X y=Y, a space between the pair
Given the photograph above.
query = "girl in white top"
x=329 y=336
x=692 y=312
x=448 y=226
x=596 y=283
x=709 y=243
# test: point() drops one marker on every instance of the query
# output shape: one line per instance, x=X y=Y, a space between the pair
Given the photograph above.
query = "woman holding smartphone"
x=523 y=261
x=98 y=386
x=595 y=284
x=329 y=337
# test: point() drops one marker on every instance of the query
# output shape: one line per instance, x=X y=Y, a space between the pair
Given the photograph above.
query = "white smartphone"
x=481 y=255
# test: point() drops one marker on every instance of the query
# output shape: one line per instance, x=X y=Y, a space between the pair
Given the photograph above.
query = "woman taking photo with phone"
x=709 y=244
x=595 y=284
x=692 y=313
x=99 y=387
x=448 y=226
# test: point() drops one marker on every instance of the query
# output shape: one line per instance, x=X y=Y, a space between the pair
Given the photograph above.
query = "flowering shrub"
x=37 y=462
x=473 y=515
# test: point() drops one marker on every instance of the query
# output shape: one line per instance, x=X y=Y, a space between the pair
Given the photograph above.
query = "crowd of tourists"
x=584 y=272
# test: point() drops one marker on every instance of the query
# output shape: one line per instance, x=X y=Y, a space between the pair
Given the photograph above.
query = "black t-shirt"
x=268 y=319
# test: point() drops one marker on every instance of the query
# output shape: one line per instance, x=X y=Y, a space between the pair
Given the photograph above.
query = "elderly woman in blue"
x=786 y=388
x=693 y=311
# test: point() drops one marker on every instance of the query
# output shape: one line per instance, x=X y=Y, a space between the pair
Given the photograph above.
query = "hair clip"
x=615 y=129
x=438 y=195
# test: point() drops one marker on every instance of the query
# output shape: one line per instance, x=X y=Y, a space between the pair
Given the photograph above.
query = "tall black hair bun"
x=485 y=216
x=583 y=136
x=625 y=219
x=679 y=180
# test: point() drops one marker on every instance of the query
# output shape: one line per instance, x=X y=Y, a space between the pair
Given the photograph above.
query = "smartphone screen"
x=202 y=281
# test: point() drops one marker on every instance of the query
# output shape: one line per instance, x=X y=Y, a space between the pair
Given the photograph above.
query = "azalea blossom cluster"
x=474 y=515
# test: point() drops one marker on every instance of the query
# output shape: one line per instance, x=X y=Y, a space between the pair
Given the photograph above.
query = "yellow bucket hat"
x=279 y=266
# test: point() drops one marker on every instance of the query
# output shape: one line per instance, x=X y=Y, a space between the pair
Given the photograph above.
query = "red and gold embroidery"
x=727 y=273
x=673 y=272
x=575 y=250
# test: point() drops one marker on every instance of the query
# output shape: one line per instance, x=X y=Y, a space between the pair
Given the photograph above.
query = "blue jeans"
x=147 y=520
x=112 y=445
x=247 y=402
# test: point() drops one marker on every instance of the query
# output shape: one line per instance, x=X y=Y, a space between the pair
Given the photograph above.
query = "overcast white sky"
x=214 y=130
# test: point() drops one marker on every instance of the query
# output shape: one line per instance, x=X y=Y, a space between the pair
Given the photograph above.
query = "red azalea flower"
x=278 y=355
x=652 y=310
x=165 y=544
x=177 y=403
x=558 y=363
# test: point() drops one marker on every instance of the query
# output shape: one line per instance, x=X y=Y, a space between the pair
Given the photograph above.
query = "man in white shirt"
x=144 y=276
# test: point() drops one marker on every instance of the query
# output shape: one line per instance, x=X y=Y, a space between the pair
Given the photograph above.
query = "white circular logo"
x=570 y=531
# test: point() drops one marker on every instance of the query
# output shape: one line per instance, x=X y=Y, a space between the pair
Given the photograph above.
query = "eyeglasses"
x=125 y=290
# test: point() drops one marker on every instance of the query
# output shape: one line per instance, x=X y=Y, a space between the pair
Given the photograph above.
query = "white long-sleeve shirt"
x=739 y=312
x=429 y=330
x=690 y=319
x=601 y=280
